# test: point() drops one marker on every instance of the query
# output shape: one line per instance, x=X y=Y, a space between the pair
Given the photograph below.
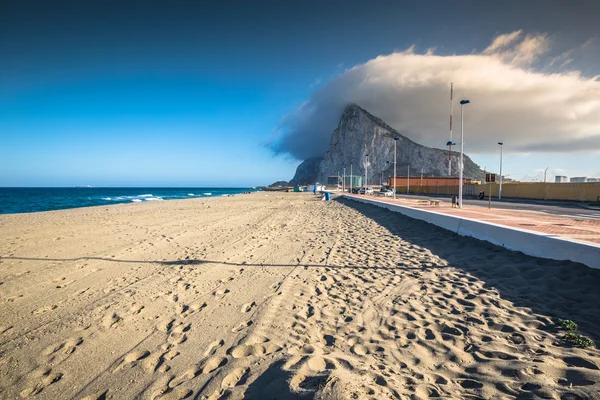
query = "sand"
x=268 y=296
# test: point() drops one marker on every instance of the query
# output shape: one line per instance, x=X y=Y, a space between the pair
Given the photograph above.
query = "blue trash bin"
x=327 y=196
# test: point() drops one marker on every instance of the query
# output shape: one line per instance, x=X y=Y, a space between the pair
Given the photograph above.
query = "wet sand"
x=282 y=296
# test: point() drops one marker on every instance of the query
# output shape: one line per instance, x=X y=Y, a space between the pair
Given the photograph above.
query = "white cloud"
x=530 y=111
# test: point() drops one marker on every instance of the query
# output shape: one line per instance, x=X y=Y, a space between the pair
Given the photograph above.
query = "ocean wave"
x=207 y=194
x=106 y=198
x=153 y=198
x=191 y=194
x=136 y=200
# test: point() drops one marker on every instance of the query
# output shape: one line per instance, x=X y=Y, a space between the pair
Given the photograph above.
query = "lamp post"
x=343 y=178
x=408 y=181
x=462 y=151
x=350 y=178
x=366 y=172
x=546 y=170
x=395 y=143
x=500 y=189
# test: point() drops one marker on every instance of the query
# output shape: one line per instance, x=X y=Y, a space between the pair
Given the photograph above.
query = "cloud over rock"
x=512 y=102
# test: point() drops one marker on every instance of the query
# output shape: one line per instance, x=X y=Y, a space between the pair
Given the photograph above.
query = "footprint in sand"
x=165 y=325
x=176 y=394
x=44 y=309
x=359 y=349
x=197 y=306
x=241 y=326
x=136 y=309
x=67 y=346
x=212 y=348
x=131 y=359
x=46 y=377
x=220 y=292
x=234 y=377
x=248 y=306
x=111 y=320
x=213 y=364
x=243 y=351
x=188 y=375
x=153 y=362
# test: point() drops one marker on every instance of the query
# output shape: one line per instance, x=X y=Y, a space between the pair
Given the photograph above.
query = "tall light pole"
x=395 y=145
x=343 y=178
x=408 y=182
x=366 y=172
x=546 y=170
x=500 y=189
x=450 y=143
x=462 y=151
x=350 y=178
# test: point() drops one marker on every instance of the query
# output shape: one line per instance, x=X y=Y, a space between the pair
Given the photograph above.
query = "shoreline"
x=120 y=197
x=281 y=296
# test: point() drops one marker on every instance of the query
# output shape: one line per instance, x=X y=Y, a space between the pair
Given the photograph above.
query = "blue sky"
x=191 y=93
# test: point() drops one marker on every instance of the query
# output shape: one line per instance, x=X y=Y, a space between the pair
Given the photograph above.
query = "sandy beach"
x=282 y=296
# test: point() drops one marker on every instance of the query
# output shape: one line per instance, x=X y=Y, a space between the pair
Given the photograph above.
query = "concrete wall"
x=589 y=191
x=531 y=243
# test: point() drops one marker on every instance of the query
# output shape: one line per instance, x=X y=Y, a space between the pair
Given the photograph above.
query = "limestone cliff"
x=307 y=172
x=359 y=133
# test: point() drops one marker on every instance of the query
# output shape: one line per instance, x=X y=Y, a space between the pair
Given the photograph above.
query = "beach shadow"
x=203 y=262
x=274 y=384
x=558 y=289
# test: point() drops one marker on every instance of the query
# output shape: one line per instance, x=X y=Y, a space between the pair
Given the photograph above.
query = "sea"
x=26 y=200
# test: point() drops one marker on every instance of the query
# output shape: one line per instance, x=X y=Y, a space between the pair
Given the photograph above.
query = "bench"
x=434 y=202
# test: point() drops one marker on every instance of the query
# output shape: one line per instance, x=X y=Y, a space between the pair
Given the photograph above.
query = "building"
x=579 y=179
x=593 y=180
x=355 y=180
x=561 y=179
x=416 y=180
x=334 y=180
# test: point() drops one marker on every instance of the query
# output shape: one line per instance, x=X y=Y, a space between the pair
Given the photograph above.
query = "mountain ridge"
x=360 y=133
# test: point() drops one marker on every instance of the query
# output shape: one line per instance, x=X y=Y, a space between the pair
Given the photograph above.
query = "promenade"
x=565 y=227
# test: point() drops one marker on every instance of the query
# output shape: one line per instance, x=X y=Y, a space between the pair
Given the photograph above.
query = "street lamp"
x=462 y=151
x=450 y=143
x=395 y=142
x=350 y=178
x=500 y=189
x=366 y=172
x=343 y=177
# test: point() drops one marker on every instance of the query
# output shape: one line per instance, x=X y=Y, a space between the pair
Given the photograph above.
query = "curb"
x=531 y=243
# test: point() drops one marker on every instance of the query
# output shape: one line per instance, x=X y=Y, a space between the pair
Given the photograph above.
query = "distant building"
x=334 y=180
x=579 y=179
x=354 y=180
x=428 y=181
x=593 y=179
x=561 y=179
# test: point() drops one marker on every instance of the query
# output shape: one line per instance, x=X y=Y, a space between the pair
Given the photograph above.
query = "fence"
x=589 y=191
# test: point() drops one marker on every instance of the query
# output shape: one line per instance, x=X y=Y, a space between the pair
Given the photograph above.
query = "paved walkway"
x=572 y=228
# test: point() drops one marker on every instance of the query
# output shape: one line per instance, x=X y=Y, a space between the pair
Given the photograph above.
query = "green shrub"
x=578 y=340
x=567 y=325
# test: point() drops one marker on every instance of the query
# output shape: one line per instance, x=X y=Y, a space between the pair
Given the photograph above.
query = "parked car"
x=386 y=193
x=354 y=190
x=368 y=190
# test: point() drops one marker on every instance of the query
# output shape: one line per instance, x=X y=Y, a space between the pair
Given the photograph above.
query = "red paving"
x=565 y=227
